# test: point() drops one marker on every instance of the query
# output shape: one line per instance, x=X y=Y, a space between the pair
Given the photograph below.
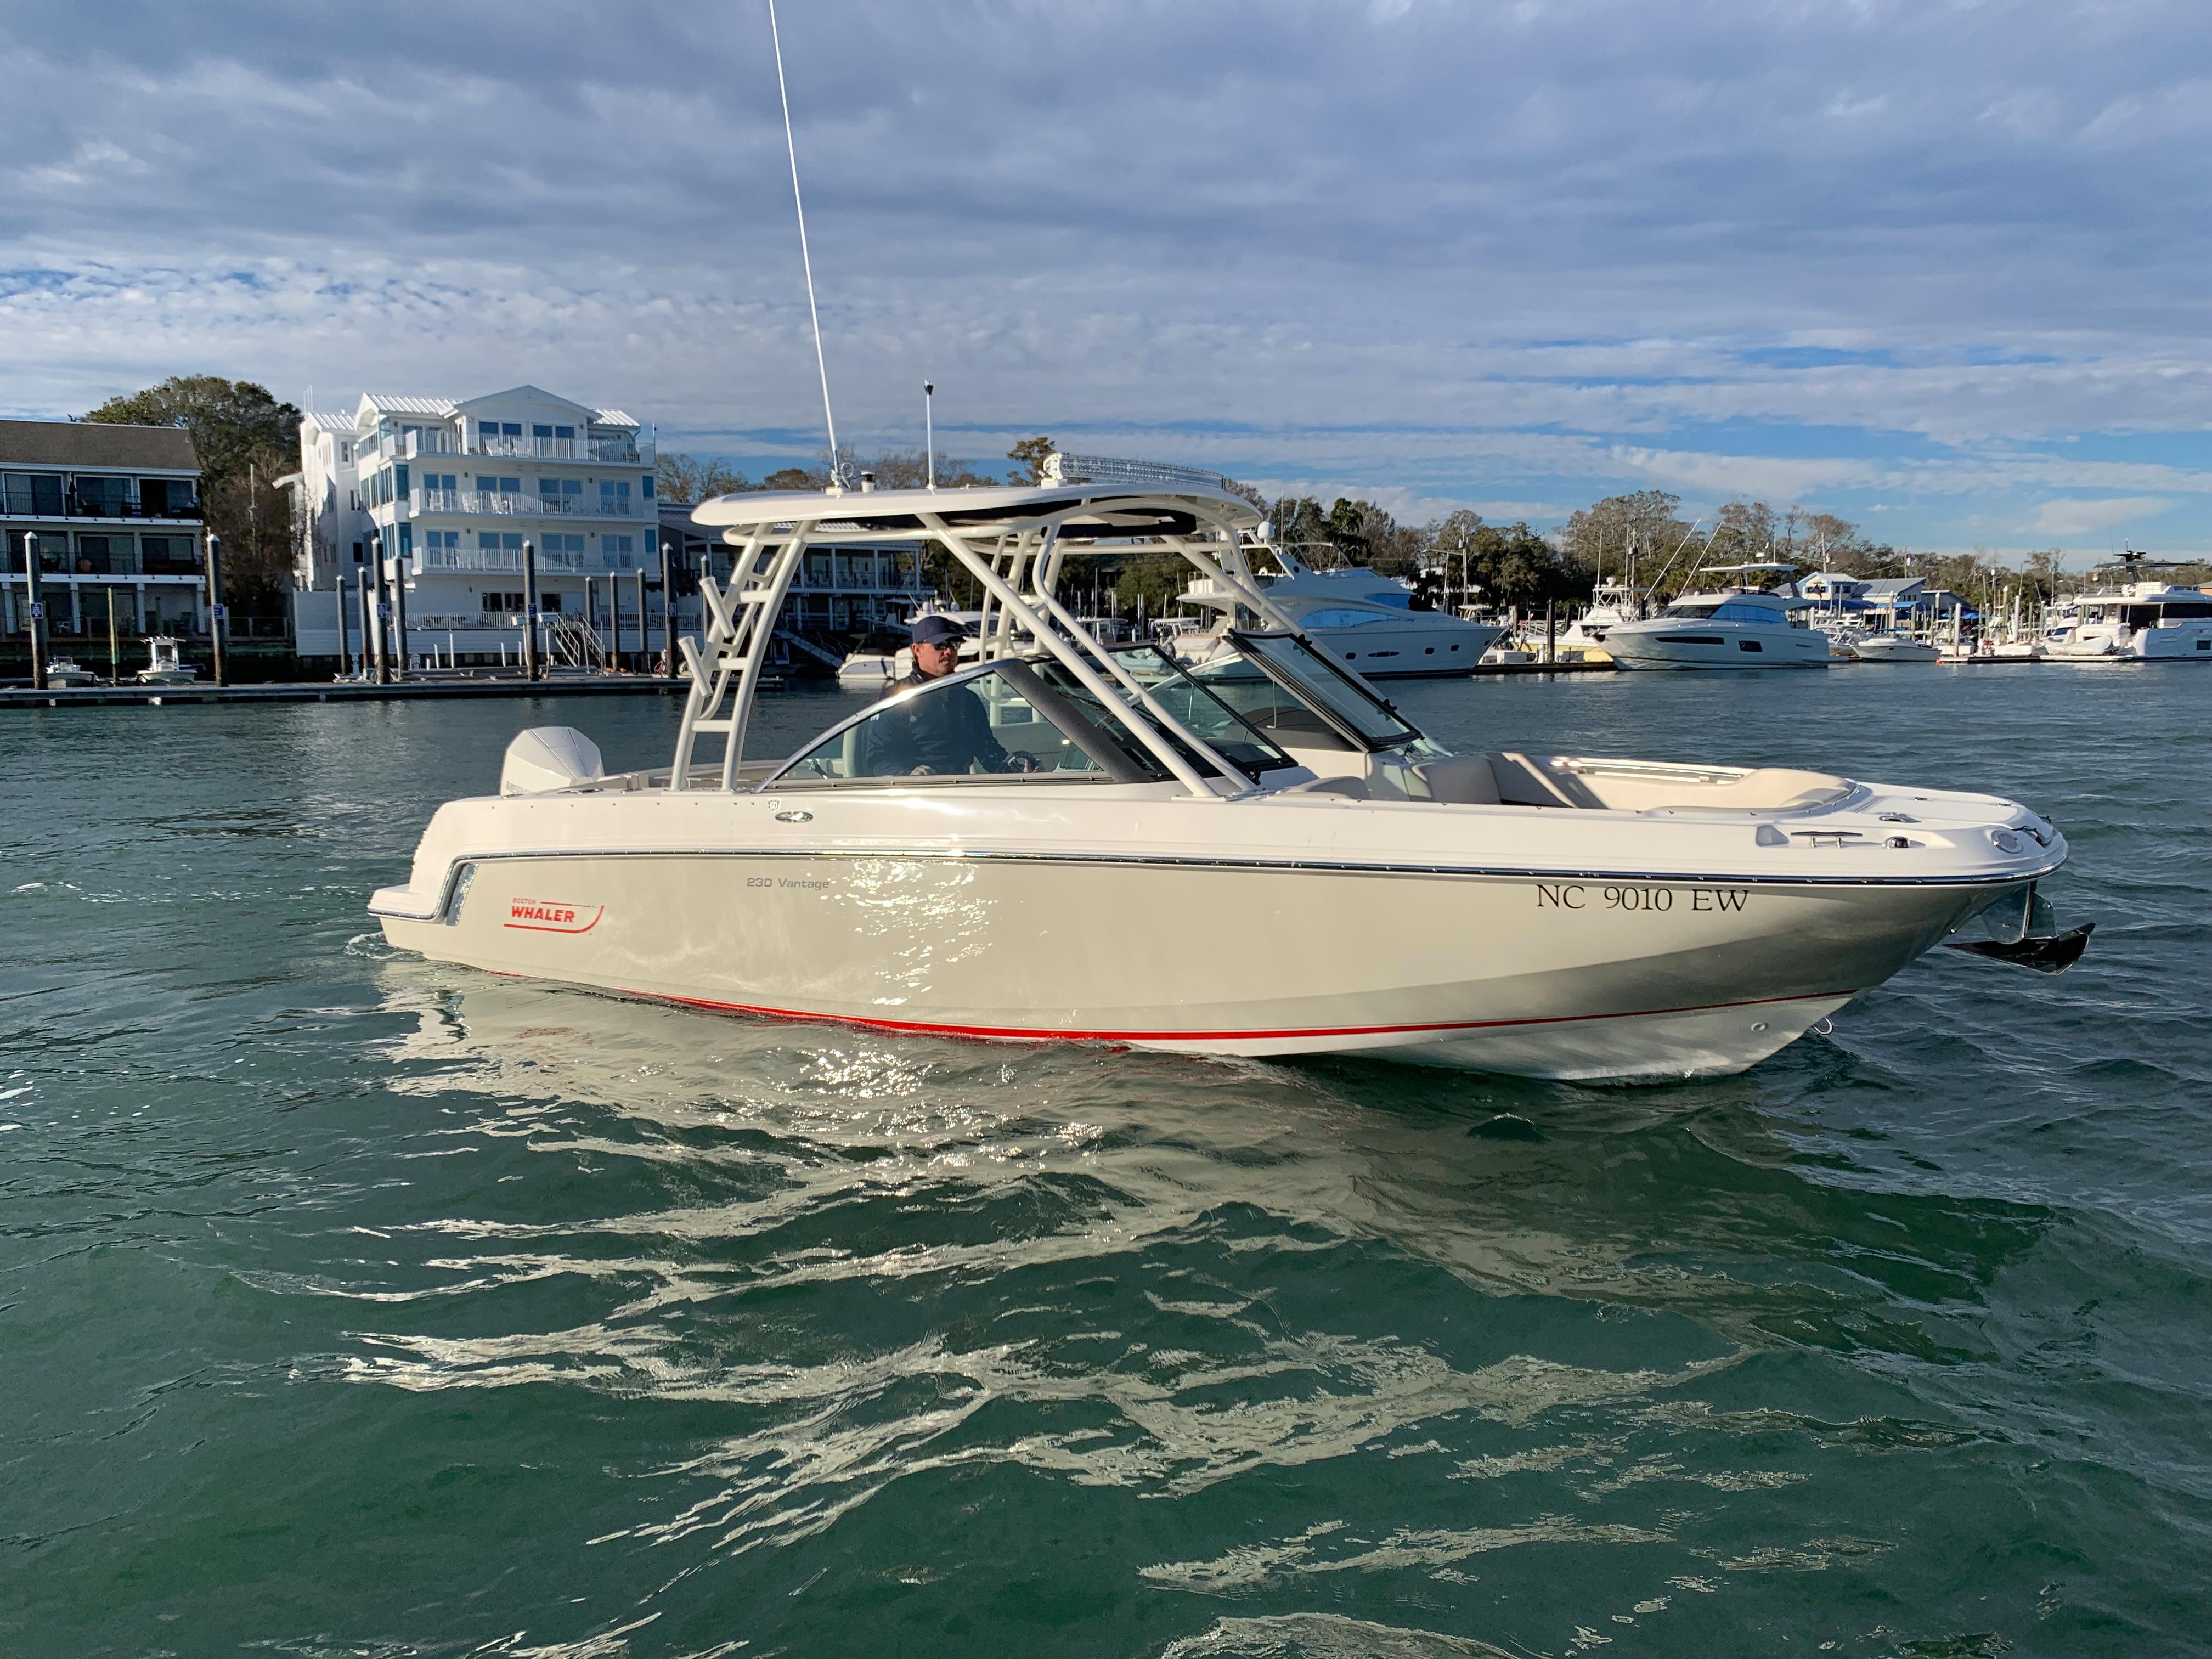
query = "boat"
x=1893 y=647
x=2132 y=621
x=879 y=671
x=163 y=666
x=1359 y=615
x=1366 y=891
x=1730 y=627
x=64 y=672
x=1612 y=603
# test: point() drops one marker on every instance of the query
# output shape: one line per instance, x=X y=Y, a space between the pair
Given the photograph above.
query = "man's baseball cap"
x=934 y=629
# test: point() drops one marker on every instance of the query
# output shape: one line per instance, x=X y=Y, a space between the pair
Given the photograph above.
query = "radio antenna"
x=821 y=363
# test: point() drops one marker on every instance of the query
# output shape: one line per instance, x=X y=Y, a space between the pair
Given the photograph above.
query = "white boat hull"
x=1888 y=647
x=1562 y=974
x=1708 y=644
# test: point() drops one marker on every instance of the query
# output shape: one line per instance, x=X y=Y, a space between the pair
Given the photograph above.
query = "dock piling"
x=531 y=666
x=215 y=607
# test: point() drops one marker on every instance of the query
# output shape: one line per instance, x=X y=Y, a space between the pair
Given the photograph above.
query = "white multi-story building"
x=445 y=493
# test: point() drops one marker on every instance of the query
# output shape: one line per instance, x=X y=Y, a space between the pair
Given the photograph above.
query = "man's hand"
x=923 y=772
x=1022 y=760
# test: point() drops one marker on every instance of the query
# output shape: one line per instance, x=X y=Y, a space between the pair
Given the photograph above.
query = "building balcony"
x=484 y=504
x=108 y=511
x=613 y=451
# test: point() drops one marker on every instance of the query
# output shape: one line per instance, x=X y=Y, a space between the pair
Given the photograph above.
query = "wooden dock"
x=416 y=690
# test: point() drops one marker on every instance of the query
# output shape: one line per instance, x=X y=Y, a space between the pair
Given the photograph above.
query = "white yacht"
x=1358 y=616
x=978 y=858
x=1731 y=627
x=2136 y=622
x=1893 y=647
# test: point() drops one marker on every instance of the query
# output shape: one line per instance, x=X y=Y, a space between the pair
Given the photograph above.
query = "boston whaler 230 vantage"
x=1553 y=915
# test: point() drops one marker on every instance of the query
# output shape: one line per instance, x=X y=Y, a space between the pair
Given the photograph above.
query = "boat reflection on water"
x=1465 y=1317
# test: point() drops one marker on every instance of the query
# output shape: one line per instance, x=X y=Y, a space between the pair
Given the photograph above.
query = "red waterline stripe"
x=1030 y=1034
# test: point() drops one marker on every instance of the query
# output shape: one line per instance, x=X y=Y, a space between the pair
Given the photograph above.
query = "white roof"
x=392 y=403
x=612 y=417
x=1123 y=510
x=330 y=420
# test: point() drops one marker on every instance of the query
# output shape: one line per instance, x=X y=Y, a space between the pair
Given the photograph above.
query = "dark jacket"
x=942 y=732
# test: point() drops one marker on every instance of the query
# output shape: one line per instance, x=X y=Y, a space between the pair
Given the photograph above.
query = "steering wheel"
x=1020 y=760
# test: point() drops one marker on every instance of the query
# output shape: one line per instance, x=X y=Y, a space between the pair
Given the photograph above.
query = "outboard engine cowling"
x=549 y=757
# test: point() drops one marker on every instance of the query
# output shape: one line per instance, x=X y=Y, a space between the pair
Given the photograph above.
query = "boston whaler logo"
x=552 y=916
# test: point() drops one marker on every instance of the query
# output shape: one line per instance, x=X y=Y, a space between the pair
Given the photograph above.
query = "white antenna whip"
x=821 y=363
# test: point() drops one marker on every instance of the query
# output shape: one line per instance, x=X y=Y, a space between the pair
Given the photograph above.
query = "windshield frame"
x=1354 y=689
x=1052 y=704
x=1285 y=761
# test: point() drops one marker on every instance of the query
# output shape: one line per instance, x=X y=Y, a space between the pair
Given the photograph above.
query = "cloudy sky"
x=1940 y=266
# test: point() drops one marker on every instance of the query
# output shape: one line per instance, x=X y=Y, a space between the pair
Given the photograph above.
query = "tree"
x=682 y=480
x=1644 y=523
x=246 y=441
x=1030 y=453
x=795 y=478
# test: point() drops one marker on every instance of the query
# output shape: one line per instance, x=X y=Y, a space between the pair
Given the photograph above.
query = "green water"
x=350 y=1305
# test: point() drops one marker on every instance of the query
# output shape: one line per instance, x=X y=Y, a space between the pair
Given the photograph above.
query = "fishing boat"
x=163 y=666
x=1369 y=893
x=65 y=671
x=1733 y=626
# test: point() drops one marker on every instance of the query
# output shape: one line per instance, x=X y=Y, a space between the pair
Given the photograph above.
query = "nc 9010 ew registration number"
x=1582 y=895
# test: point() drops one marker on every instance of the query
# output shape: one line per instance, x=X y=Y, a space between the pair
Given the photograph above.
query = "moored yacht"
x=1370 y=893
x=2136 y=622
x=1358 y=616
x=1730 y=627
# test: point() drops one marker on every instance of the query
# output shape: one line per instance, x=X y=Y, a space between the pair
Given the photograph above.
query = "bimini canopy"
x=1085 y=511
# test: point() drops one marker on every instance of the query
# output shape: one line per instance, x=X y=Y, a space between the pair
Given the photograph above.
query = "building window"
x=34 y=495
x=99 y=497
x=170 y=556
x=648 y=486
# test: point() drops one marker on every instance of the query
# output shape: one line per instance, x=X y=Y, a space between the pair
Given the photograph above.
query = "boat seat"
x=1343 y=788
x=1522 y=781
x=1460 y=780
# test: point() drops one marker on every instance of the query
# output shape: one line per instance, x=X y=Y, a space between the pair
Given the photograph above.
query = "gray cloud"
x=1463 y=252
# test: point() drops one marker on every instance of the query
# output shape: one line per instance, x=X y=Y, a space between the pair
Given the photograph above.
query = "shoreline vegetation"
x=1502 y=564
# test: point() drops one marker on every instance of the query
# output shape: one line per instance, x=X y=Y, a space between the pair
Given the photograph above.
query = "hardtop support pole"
x=1013 y=605
x=642 y=665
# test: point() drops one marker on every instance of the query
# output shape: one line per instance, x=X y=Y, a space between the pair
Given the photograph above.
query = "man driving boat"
x=949 y=731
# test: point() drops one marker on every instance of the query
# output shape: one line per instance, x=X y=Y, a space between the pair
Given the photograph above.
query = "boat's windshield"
x=1002 y=720
x=1690 y=611
x=1269 y=672
x=1027 y=719
x=1240 y=735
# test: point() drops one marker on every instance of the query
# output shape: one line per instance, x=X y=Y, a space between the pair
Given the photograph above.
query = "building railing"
x=115 y=510
x=615 y=451
x=423 y=503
